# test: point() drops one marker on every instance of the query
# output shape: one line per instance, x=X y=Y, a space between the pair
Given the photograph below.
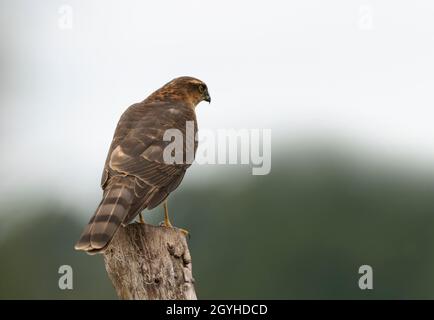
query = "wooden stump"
x=150 y=262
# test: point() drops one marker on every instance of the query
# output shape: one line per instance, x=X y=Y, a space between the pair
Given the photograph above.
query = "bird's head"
x=189 y=88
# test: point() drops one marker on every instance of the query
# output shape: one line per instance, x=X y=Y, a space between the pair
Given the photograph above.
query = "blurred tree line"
x=301 y=232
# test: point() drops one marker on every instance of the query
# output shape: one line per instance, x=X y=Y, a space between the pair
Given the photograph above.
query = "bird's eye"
x=201 y=88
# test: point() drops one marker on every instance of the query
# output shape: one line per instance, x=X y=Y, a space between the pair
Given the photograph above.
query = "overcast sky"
x=360 y=70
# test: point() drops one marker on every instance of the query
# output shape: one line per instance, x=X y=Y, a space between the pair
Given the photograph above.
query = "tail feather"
x=109 y=216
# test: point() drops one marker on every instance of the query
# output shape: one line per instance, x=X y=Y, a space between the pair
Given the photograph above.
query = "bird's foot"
x=167 y=224
x=185 y=232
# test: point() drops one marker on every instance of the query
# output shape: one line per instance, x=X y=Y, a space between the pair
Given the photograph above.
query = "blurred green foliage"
x=299 y=233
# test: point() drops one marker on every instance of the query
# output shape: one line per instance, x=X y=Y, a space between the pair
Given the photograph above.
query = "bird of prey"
x=136 y=175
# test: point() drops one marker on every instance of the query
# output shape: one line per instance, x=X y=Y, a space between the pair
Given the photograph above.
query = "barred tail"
x=108 y=217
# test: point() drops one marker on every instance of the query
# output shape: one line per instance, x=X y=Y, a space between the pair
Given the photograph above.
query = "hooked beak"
x=207 y=97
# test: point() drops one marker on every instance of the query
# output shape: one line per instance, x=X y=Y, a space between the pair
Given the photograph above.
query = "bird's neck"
x=173 y=95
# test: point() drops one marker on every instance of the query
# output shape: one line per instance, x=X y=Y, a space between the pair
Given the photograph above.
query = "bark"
x=150 y=262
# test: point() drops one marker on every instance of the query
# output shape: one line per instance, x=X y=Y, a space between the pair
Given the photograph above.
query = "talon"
x=185 y=232
x=165 y=224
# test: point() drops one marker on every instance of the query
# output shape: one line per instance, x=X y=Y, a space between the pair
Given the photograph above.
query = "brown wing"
x=137 y=152
x=135 y=176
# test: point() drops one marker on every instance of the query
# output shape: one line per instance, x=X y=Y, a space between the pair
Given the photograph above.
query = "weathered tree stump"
x=150 y=262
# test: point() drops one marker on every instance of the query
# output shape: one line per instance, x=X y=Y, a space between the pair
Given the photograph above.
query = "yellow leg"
x=141 y=220
x=167 y=223
x=166 y=216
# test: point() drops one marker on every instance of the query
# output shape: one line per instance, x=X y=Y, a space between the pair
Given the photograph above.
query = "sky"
x=361 y=71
